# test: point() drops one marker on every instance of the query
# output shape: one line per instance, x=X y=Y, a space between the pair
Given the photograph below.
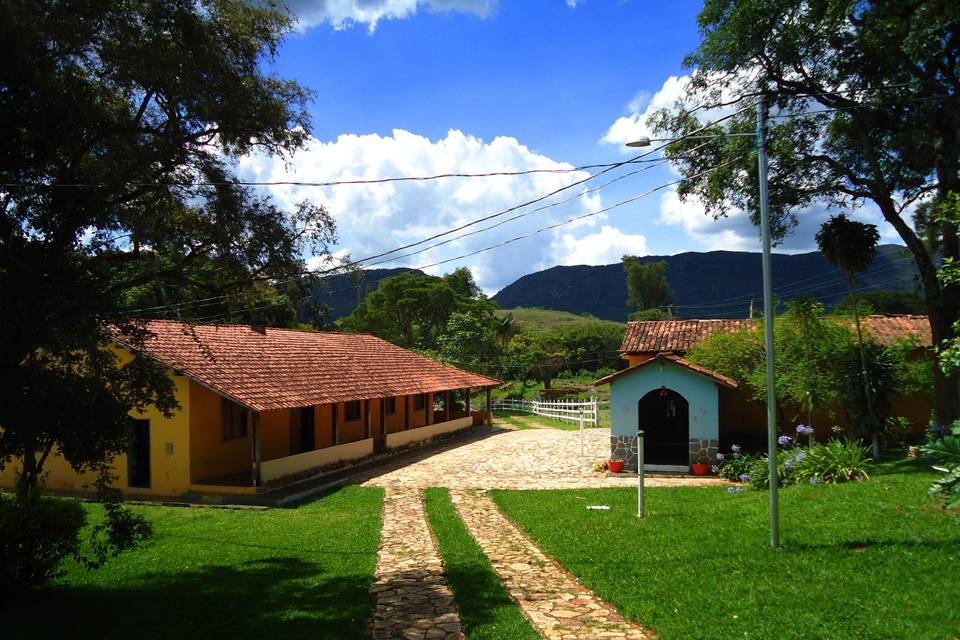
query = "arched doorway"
x=664 y=417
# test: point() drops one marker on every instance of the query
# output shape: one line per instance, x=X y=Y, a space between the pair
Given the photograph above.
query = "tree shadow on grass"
x=277 y=598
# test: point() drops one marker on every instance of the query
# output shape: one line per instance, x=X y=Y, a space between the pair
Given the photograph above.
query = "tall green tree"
x=413 y=309
x=647 y=287
x=120 y=124
x=866 y=99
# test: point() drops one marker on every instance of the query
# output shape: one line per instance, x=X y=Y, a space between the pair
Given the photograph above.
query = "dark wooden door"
x=308 y=440
x=664 y=417
x=138 y=455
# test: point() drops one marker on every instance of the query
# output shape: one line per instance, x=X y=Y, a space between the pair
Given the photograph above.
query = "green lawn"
x=281 y=573
x=486 y=609
x=511 y=418
x=876 y=559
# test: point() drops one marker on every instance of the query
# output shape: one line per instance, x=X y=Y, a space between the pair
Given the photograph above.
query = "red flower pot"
x=615 y=466
x=700 y=469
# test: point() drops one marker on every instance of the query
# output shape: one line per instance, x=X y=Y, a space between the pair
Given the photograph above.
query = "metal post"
x=581 y=433
x=768 y=319
x=641 y=512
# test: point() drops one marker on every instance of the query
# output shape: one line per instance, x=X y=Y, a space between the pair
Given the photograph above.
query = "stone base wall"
x=624 y=448
x=702 y=448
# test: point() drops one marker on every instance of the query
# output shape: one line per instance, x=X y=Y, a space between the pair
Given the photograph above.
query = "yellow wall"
x=210 y=455
x=169 y=473
x=395 y=422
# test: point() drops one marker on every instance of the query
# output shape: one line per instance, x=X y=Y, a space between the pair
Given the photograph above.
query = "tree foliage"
x=647 y=287
x=866 y=104
x=413 y=309
x=121 y=124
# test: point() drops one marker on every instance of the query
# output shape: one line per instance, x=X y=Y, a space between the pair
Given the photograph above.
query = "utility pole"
x=768 y=318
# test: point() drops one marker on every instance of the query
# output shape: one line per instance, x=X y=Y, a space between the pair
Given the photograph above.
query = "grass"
x=282 y=573
x=528 y=418
x=547 y=320
x=874 y=559
x=486 y=609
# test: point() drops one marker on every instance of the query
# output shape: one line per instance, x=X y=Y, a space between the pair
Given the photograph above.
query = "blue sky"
x=417 y=87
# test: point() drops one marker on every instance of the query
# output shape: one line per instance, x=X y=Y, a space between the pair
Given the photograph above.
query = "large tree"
x=865 y=99
x=120 y=123
x=647 y=288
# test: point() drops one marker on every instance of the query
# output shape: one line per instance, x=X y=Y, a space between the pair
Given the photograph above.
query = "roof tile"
x=282 y=368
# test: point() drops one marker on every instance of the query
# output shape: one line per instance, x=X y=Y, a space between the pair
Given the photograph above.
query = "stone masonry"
x=703 y=450
x=624 y=448
x=413 y=601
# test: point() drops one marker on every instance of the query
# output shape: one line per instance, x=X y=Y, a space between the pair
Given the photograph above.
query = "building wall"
x=395 y=422
x=169 y=453
x=210 y=455
x=701 y=396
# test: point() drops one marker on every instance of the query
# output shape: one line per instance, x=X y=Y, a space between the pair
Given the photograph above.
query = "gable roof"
x=674 y=335
x=658 y=336
x=669 y=357
x=266 y=369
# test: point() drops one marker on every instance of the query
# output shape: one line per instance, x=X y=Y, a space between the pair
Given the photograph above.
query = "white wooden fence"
x=564 y=411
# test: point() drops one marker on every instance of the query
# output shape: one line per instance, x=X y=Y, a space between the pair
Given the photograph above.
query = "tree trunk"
x=875 y=438
x=942 y=310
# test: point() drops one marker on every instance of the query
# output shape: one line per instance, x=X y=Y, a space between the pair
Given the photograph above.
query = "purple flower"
x=801 y=455
x=730 y=490
x=788 y=464
x=735 y=448
x=836 y=428
x=940 y=429
x=804 y=430
x=814 y=481
x=784 y=440
x=739 y=489
x=744 y=477
x=720 y=457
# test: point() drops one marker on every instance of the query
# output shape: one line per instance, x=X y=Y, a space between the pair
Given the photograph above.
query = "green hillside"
x=546 y=320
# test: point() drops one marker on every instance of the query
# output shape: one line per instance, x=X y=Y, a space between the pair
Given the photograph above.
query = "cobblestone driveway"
x=524 y=459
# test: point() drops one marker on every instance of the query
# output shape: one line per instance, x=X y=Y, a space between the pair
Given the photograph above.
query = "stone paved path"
x=413 y=600
x=522 y=459
x=556 y=605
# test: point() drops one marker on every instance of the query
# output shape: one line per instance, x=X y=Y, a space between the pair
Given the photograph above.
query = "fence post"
x=581 y=433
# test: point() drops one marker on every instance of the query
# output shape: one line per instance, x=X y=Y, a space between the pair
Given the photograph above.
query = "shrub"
x=836 y=461
x=833 y=462
x=895 y=434
x=36 y=535
x=735 y=464
x=946 y=449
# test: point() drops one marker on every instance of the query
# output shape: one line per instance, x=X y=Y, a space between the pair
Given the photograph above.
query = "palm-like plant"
x=851 y=246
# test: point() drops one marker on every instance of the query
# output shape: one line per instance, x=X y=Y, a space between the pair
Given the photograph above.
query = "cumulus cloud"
x=606 y=246
x=377 y=217
x=343 y=14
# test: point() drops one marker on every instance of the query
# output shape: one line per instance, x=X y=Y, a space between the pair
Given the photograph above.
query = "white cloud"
x=603 y=247
x=343 y=14
x=378 y=217
x=634 y=126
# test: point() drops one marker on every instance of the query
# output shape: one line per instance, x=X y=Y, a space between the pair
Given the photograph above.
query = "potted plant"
x=615 y=465
x=701 y=465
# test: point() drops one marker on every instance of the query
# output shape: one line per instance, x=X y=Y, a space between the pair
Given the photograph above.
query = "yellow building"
x=264 y=408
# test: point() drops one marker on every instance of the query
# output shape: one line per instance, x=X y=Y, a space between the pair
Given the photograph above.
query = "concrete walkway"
x=556 y=605
x=413 y=600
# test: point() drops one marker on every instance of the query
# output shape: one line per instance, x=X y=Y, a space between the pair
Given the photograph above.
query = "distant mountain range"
x=714 y=284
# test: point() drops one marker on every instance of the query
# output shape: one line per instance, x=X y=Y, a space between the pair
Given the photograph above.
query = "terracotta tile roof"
x=886 y=329
x=709 y=373
x=267 y=369
x=674 y=335
x=678 y=336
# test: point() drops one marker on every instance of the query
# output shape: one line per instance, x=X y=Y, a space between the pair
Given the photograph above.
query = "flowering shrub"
x=836 y=461
x=735 y=465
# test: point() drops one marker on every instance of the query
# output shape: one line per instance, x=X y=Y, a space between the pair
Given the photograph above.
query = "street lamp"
x=761 y=134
